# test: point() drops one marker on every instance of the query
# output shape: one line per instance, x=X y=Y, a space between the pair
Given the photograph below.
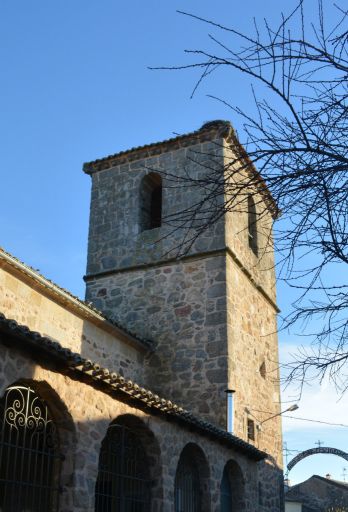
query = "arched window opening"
x=252 y=225
x=29 y=454
x=226 y=492
x=191 y=481
x=187 y=488
x=123 y=477
x=232 y=489
x=151 y=201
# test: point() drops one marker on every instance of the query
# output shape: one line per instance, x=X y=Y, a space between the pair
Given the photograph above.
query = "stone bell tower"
x=210 y=312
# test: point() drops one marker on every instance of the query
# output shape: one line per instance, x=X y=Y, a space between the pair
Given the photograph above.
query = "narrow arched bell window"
x=151 y=201
x=252 y=225
x=29 y=457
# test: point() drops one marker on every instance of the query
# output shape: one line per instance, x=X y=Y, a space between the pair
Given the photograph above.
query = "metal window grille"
x=122 y=484
x=226 y=492
x=29 y=457
x=187 y=487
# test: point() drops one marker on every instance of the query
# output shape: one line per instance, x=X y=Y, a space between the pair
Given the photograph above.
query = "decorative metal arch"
x=29 y=456
x=315 y=451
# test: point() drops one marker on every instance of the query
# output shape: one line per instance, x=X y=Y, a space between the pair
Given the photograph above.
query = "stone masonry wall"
x=212 y=314
x=252 y=343
x=204 y=344
x=115 y=239
x=182 y=307
x=20 y=300
x=82 y=415
x=252 y=324
x=261 y=267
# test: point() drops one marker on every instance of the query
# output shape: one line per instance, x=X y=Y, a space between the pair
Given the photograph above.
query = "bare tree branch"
x=297 y=137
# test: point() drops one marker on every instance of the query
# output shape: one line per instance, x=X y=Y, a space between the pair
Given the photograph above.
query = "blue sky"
x=75 y=87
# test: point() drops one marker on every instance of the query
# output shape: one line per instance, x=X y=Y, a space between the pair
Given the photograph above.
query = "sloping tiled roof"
x=336 y=483
x=115 y=384
x=67 y=296
x=209 y=131
x=297 y=492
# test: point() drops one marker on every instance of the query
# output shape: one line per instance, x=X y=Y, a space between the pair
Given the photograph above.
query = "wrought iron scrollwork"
x=28 y=453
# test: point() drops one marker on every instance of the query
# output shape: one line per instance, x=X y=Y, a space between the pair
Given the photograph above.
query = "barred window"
x=151 y=201
x=226 y=492
x=232 y=488
x=187 y=487
x=192 y=481
x=123 y=484
x=29 y=453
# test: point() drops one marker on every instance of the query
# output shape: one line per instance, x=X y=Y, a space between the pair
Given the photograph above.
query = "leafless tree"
x=296 y=136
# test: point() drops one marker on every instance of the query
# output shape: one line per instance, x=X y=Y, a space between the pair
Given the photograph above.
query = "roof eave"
x=92 y=373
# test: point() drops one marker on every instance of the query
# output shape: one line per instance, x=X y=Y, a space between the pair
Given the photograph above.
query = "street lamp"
x=292 y=408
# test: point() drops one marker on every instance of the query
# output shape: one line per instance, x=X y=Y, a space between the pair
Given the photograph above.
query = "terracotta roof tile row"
x=114 y=383
x=208 y=131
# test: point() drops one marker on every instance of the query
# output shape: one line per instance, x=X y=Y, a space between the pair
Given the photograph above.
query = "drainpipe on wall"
x=229 y=410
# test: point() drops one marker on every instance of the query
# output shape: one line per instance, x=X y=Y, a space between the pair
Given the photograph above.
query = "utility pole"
x=286 y=452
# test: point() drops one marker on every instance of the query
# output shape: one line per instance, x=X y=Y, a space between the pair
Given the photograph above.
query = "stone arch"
x=150 y=201
x=232 y=490
x=192 y=481
x=146 y=444
x=65 y=425
x=63 y=436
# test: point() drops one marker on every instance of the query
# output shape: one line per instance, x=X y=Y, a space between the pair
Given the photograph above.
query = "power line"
x=305 y=419
x=316 y=421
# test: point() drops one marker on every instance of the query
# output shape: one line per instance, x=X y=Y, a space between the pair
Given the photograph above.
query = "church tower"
x=209 y=309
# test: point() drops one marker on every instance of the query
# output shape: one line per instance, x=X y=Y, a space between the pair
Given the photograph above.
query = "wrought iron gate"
x=122 y=484
x=28 y=453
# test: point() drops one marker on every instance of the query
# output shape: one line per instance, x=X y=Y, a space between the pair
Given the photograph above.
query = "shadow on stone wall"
x=83 y=413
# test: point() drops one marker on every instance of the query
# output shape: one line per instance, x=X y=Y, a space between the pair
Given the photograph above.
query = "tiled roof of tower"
x=66 y=296
x=210 y=131
x=115 y=384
